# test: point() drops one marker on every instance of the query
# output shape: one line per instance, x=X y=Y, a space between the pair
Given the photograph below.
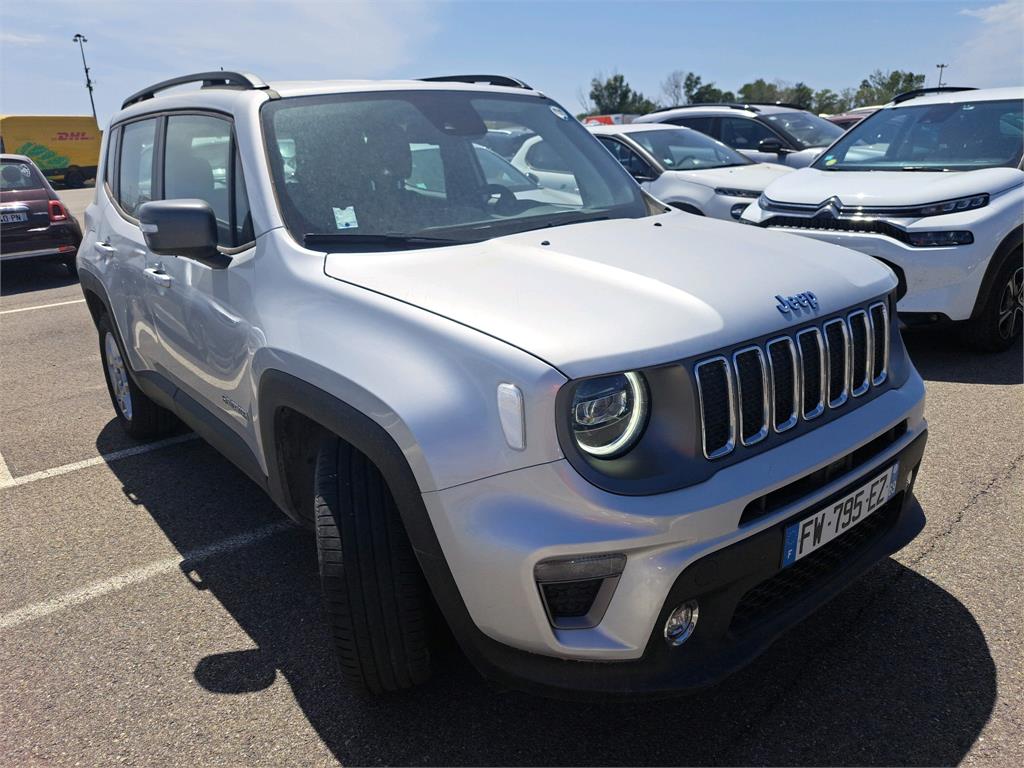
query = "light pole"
x=80 y=39
x=941 y=67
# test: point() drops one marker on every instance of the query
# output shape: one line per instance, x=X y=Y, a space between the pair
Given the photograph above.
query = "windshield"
x=409 y=165
x=681 y=149
x=805 y=129
x=936 y=137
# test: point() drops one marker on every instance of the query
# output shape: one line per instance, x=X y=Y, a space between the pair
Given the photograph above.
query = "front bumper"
x=942 y=281
x=688 y=542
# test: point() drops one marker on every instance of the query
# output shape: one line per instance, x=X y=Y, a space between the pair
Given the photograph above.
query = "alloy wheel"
x=117 y=371
x=1011 y=305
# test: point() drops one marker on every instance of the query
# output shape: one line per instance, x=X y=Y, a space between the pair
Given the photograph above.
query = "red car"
x=34 y=224
x=847 y=120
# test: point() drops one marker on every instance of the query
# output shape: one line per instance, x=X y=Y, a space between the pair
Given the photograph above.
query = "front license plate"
x=819 y=529
x=13 y=218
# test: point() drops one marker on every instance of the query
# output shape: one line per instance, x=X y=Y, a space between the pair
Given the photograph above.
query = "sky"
x=556 y=46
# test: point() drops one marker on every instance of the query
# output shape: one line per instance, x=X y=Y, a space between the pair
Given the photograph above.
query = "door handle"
x=158 y=276
x=104 y=249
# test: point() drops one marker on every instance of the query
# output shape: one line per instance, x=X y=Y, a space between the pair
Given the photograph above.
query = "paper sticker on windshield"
x=345 y=218
x=559 y=113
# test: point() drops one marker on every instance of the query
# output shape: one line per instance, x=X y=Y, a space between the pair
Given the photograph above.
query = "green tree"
x=880 y=87
x=801 y=94
x=759 y=92
x=826 y=101
x=613 y=95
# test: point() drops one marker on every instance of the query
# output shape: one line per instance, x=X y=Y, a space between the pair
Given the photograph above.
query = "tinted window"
x=196 y=165
x=135 y=171
x=957 y=137
x=243 y=217
x=108 y=163
x=743 y=133
x=702 y=124
x=630 y=160
x=16 y=175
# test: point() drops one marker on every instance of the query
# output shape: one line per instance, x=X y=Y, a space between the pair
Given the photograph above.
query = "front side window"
x=934 y=137
x=630 y=160
x=410 y=165
x=804 y=129
x=17 y=175
x=200 y=163
x=744 y=133
x=135 y=169
x=683 y=150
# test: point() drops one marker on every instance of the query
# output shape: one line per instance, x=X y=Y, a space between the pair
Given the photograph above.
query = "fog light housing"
x=681 y=623
x=576 y=591
x=737 y=210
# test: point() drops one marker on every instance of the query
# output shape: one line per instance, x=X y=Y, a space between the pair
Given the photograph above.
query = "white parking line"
x=41 y=306
x=6 y=481
x=19 y=616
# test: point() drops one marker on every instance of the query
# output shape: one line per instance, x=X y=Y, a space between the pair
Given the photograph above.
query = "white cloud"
x=17 y=38
x=993 y=53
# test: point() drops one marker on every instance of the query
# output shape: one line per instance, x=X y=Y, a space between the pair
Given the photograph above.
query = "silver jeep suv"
x=620 y=448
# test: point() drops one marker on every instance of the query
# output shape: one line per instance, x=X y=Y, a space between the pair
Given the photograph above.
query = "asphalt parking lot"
x=154 y=608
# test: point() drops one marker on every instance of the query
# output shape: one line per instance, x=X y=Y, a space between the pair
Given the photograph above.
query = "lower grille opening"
x=808 y=484
x=571 y=599
x=788 y=585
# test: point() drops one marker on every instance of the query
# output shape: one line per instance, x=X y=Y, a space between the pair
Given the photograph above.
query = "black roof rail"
x=502 y=80
x=729 y=104
x=925 y=91
x=218 y=79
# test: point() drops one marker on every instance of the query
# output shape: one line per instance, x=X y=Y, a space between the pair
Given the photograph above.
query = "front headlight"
x=609 y=414
x=734 y=192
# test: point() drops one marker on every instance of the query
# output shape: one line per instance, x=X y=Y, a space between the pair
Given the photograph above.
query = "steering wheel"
x=506 y=202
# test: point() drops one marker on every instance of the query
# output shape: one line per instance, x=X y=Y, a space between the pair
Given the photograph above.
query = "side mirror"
x=771 y=144
x=185 y=228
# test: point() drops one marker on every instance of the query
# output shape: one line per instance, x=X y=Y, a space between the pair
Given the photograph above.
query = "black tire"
x=142 y=418
x=376 y=598
x=998 y=325
x=74 y=179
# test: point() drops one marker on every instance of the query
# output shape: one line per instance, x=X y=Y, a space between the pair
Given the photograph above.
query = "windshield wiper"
x=925 y=168
x=321 y=240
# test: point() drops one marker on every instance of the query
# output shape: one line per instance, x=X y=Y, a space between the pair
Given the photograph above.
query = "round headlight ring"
x=636 y=421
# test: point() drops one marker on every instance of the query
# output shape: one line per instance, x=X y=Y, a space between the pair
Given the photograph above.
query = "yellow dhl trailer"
x=65 y=147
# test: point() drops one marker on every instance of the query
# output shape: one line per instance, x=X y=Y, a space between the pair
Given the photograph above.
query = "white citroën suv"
x=619 y=447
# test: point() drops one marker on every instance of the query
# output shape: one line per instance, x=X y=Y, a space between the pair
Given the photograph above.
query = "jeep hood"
x=753 y=177
x=813 y=186
x=621 y=294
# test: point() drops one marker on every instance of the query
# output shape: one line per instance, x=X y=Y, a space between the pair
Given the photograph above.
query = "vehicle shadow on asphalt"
x=940 y=355
x=894 y=671
x=23 y=277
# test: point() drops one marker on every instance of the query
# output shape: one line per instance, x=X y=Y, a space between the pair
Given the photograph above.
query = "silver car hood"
x=621 y=294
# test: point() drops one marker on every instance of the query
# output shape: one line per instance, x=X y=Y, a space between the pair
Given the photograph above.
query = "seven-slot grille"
x=743 y=398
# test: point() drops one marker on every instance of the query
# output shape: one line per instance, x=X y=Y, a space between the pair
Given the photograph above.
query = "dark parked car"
x=34 y=224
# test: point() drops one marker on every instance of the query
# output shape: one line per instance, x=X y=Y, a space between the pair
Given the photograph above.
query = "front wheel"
x=998 y=326
x=375 y=595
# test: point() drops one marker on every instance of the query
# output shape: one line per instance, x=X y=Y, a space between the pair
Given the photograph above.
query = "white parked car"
x=688 y=170
x=932 y=185
x=767 y=133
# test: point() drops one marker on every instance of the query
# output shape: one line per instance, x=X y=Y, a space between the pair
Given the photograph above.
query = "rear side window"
x=108 y=163
x=200 y=163
x=19 y=175
x=135 y=170
x=702 y=124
